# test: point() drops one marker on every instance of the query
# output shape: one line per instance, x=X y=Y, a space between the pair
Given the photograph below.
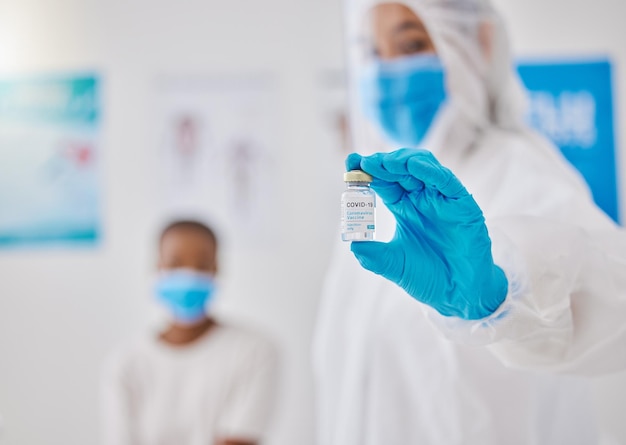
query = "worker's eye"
x=369 y=51
x=413 y=46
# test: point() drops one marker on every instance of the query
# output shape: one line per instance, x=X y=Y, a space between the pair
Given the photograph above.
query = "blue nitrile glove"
x=441 y=251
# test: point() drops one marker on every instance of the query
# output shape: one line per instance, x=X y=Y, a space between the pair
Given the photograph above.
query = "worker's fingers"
x=390 y=192
x=430 y=172
x=353 y=162
x=412 y=169
x=381 y=258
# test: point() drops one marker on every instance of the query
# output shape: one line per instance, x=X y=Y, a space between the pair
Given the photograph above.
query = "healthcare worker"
x=499 y=287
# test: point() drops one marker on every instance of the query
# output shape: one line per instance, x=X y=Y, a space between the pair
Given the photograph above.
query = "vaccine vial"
x=358 y=207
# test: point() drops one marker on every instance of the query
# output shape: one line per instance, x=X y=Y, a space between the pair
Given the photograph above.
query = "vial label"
x=358 y=217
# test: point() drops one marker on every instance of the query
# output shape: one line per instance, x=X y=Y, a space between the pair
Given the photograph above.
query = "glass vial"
x=358 y=207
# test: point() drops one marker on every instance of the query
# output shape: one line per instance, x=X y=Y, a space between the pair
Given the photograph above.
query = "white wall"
x=60 y=311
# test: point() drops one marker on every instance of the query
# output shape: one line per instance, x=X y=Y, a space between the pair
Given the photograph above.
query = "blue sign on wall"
x=571 y=103
x=49 y=161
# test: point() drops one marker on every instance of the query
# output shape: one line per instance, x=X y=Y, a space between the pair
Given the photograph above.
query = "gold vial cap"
x=356 y=176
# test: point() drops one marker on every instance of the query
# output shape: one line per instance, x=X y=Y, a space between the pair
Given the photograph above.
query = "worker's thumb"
x=379 y=258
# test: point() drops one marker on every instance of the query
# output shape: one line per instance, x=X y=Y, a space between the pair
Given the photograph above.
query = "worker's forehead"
x=387 y=11
x=390 y=22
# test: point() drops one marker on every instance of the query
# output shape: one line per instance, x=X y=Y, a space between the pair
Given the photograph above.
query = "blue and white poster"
x=49 y=149
x=571 y=103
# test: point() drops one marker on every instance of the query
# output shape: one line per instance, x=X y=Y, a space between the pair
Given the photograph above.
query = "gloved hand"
x=441 y=251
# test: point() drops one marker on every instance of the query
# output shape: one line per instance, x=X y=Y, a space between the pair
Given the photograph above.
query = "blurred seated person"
x=199 y=381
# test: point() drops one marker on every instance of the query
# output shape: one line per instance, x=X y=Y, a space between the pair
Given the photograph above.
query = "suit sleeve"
x=565 y=261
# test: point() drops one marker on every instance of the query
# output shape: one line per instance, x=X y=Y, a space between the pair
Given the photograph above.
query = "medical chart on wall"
x=49 y=161
x=218 y=155
x=571 y=103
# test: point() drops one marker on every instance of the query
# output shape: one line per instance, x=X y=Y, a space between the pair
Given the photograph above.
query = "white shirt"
x=220 y=386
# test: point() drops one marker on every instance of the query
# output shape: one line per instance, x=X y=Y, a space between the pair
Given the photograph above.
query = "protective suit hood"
x=472 y=42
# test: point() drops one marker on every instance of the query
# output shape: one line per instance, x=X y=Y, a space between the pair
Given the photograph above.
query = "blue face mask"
x=403 y=96
x=185 y=293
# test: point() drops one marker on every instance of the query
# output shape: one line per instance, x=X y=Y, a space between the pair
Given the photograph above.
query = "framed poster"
x=49 y=166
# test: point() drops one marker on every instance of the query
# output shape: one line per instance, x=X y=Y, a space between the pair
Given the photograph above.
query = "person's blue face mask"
x=403 y=96
x=185 y=293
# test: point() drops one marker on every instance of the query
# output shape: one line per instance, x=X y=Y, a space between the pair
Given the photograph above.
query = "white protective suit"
x=392 y=371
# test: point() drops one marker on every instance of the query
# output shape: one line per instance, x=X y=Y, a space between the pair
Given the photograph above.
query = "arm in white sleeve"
x=566 y=306
x=117 y=411
x=564 y=259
